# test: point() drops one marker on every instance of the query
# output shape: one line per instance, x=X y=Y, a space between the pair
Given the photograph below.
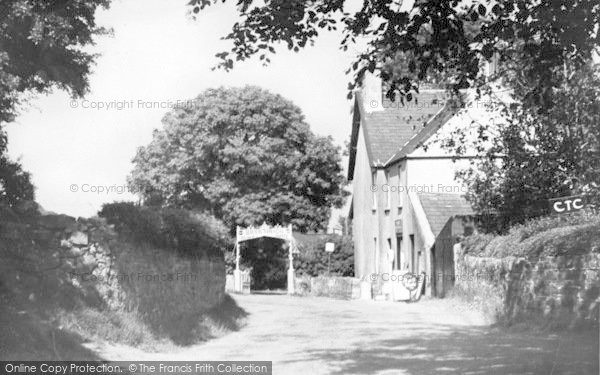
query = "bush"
x=188 y=232
x=15 y=184
x=531 y=227
x=476 y=243
x=313 y=259
x=571 y=234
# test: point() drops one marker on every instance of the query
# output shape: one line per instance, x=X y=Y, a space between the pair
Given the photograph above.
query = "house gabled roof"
x=440 y=207
x=428 y=130
x=387 y=129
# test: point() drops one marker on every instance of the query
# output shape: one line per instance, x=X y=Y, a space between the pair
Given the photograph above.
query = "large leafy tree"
x=247 y=156
x=435 y=36
x=41 y=46
x=542 y=50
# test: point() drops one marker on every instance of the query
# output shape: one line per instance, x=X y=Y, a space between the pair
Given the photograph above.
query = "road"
x=304 y=335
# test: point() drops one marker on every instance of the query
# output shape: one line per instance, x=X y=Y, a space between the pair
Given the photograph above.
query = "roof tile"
x=387 y=130
x=441 y=207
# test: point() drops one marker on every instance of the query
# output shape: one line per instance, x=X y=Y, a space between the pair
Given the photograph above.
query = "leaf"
x=497 y=9
x=481 y=9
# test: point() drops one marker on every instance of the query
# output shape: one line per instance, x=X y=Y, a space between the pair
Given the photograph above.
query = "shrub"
x=313 y=259
x=475 y=244
x=188 y=232
x=571 y=234
x=15 y=183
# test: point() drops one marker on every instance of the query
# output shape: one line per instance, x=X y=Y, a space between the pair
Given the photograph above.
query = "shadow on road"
x=470 y=351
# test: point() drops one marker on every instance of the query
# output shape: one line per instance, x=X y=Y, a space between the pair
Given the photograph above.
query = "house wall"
x=368 y=223
x=427 y=175
x=435 y=175
x=364 y=224
x=390 y=208
x=418 y=258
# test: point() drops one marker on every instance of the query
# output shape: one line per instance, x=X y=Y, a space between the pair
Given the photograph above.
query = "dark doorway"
x=398 y=252
x=267 y=258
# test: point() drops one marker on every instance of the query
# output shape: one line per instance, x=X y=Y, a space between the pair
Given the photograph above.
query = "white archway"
x=250 y=233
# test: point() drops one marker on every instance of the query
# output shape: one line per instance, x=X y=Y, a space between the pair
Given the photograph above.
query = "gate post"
x=237 y=275
x=290 y=273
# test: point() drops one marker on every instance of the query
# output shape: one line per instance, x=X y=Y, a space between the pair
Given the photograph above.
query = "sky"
x=79 y=152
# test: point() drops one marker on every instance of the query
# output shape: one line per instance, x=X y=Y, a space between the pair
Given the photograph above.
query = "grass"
x=486 y=301
x=126 y=327
x=27 y=335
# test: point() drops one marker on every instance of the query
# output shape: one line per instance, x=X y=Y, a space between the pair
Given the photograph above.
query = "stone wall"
x=561 y=291
x=332 y=287
x=157 y=283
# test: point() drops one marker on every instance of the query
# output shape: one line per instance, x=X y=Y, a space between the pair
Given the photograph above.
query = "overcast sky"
x=158 y=54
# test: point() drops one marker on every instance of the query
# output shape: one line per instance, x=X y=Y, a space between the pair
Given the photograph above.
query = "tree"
x=313 y=260
x=247 y=156
x=437 y=36
x=15 y=184
x=41 y=46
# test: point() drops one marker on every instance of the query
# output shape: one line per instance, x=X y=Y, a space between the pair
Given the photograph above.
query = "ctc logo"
x=568 y=205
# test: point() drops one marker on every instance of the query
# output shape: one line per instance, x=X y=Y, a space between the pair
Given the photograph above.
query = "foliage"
x=189 y=233
x=313 y=259
x=245 y=155
x=570 y=234
x=475 y=244
x=15 y=184
x=437 y=36
x=267 y=259
x=41 y=46
x=547 y=152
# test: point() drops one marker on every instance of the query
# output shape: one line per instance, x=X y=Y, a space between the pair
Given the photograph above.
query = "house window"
x=400 y=190
x=374 y=183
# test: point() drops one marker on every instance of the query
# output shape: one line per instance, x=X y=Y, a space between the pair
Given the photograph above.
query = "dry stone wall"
x=157 y=283
x=329 y=286
x=558 y=291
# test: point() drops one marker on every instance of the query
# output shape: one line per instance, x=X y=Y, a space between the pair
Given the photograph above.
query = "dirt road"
x=324 y=336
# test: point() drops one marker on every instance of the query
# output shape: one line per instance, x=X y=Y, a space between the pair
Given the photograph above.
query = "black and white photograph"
x=311 y=187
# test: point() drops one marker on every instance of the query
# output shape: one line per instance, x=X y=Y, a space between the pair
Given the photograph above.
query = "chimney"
x=372 y=94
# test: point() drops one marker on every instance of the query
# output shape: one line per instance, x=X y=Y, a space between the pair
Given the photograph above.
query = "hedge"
x=313 y=259
x=571 y=234
x=187 y=232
